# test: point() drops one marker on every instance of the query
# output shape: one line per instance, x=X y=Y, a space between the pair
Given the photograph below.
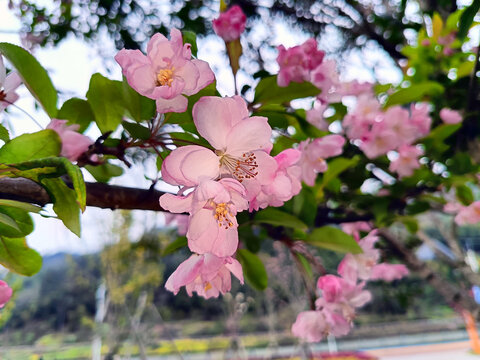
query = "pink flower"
x=8 y=84
x=230 y=24
x=315 y=116
x=450 y=116
x=389 y=272
x=407 y=160
x=314 y=154
x=360 y=266
x=284 y=186
x=241 y=144
x=213 y=206
x=354 y=228
x=342 y=292
x=419 y=116
x=5 y=293
x=206 y=274
x=297 y=63
x=312 y=326
x=166 y=73
x=469 y=214
x=74 y=144
x=359 y=121
x=453 y=207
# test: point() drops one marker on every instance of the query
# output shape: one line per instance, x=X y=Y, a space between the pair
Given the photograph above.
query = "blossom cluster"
x=341 y=295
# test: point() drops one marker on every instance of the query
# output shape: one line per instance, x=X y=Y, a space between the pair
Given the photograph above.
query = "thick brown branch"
x=98 y=195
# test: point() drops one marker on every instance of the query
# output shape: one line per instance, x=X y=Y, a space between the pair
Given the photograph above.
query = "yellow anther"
x=208 y=286
x=165 y=77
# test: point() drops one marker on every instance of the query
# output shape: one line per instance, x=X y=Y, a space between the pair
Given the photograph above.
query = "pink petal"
x=267 y=167
x=176 y=104
x=250 y=134
x=206 y=75
x=202 y=231
x=3 y=72
x=12 y=81
x=171 y=172
x=160 y=51
x=176 y=203
x=190 y=75
x=200 y=163
x=186 y=272
x=236 y=269
x=142 y=79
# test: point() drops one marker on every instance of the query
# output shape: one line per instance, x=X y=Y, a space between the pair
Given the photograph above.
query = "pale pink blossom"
x=284 y=186
x=450 y=116
x=207 y=275
x=314 y=153
x=166 y=73
x=74 y=144
x=358 y=122
x=419 y=116
x=453 y=207
x=342 y=292
x=296 y=63
x=389 y=272
x=407 y=160
x=213 y=206
x=242 y=145
x=312 y=326
x=315 y=116
x=469 y=214
x=354 y=228
x=230 y=24
x=5 y=293
x=8 y=84
x=327 y=79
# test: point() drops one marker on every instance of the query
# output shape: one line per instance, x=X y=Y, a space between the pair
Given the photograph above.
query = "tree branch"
x=98 y=195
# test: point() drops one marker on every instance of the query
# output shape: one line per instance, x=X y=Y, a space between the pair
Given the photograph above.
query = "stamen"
x=208 y=286
x=222 y=214
x=165 y=77
x=241 y=168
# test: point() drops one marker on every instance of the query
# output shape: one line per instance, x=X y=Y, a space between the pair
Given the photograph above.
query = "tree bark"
x=98 y=195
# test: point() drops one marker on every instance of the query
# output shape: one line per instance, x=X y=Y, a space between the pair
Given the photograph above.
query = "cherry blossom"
x=407 y=160
x=166 y=73
x=469 y=214
x=314 y=153
x=5 y=293
x=213 y=206
x=230 y=24
x=285 y=185
x=389 y=272
x=315 y=116
x=297 y=63
x=74 y=144
x=8 y=84
x=207 y=275
x=450 y=116
x=313 y=326
x=354 y=228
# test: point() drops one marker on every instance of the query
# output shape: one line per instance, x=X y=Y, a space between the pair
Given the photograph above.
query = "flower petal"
x=250 y=134
x=176 y=203
x=236 y=269
x=177 y=104
x=12 y=81
x=171 y=172
x=206 y=75
x=186 y=272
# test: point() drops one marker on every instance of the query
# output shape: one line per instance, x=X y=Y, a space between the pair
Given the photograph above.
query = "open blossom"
x=242 y=145
x=407 y=160
x=312 y=326
x=389 y=272
x=230 y=24
x=450 y=116
x=74 y=144
x=355 y=227
x=166 y=73
x=5 y=293
x=213 y=206
x=469 y=214
x=314 y=154
x=296 y=63
x=342 y=291
x=8 y=84
x=315 y=116
x=207 y=275
x=285 y=185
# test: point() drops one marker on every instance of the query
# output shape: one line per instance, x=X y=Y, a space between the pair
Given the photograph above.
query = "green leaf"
x=9 y=222
x=410 y=223
x=23 y=222
x=4 y=135
x=103 y=173
x=137 y=131
x=331 y=238
x=21 y=205
x=464 y=194
x=105 y=97
x=253 y=268
x=268 y=92
x=16 y=256
x=189 y=37
x=466 y=19
x=416 y=92
x=28 y=147
x=64 y=203
x=306 y=265
x=279 y=218
x=335 y=168
x=178 y=243
x=139 y=107
x=77 y=111
x=34 y=76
